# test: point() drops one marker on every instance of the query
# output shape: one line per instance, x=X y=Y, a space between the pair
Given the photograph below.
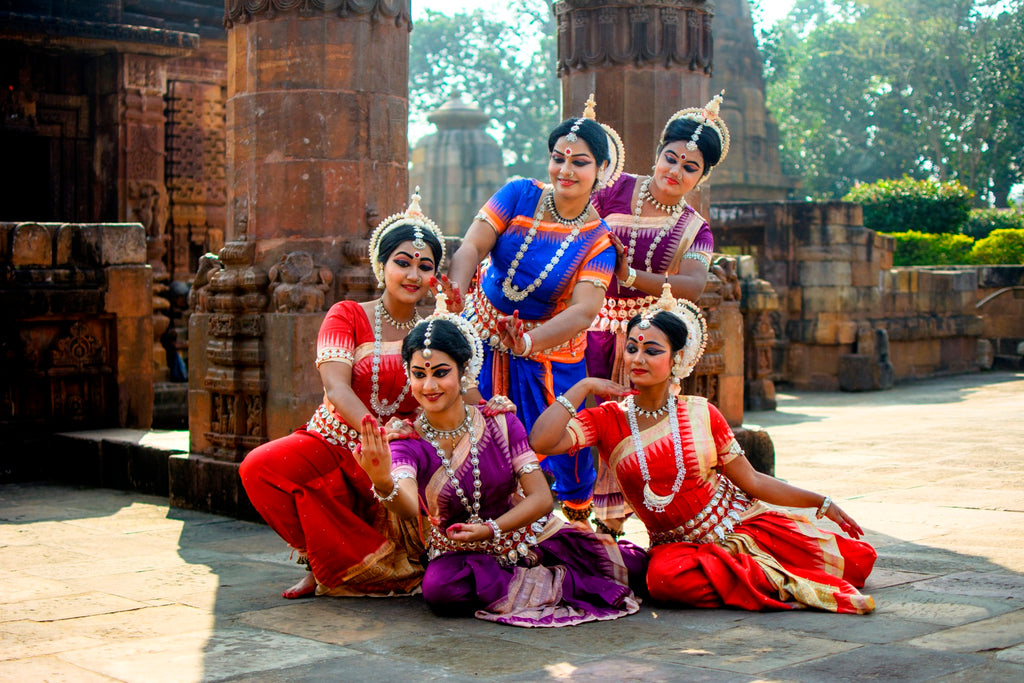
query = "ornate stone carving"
x=234 y=293
x=297 y=285
x=378 y=10
x=78 y=348
x=601 y=33
x=196 y=181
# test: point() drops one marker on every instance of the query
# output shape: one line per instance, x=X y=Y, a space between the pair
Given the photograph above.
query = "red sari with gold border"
x=311 y=489
x=748 y=556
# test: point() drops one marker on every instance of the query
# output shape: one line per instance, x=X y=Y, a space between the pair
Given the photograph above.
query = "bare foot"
x=305 y=587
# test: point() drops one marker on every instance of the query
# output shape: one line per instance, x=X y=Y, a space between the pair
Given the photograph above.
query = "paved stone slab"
x=746 y=649
x=997 y=633
x=880 y=663
x=48 y=669
x=179 y=595
x=883 y=626
x=68 y=607
x=199 y=656
x=1013 y=655
x=939 y=608
x=24 y=639
x=615 y=669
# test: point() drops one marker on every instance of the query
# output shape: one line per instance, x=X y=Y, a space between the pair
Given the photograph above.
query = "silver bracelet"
x=567 y=404
x=823 y=508
x=388 y=498
x=495 y=528
x=630 y=278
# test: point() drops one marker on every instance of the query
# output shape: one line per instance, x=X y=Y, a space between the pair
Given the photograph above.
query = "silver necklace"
x=513 y=293
x=434 y=436
x=407 y=325
x=568 y=222
x=382 y=408
x=674 y=212
x=663 y=410
x=652 y=501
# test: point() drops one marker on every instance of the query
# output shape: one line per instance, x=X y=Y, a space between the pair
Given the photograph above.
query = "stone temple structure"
x=458 y=167
x=753 y=171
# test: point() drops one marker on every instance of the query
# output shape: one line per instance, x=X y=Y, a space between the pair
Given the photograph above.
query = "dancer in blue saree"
x=539 y=280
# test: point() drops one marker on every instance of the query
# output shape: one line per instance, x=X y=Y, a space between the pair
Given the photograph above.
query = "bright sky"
x=768 y=10
x=765 y=12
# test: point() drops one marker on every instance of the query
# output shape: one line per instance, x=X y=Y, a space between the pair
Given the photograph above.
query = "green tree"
x=873 y=89
x=507 y=67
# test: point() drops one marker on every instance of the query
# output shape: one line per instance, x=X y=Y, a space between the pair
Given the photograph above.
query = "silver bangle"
x=630 y=278
x=823 y=508
x=495 y=528
x=388 y=498
x=528 y=340
x=567 y=404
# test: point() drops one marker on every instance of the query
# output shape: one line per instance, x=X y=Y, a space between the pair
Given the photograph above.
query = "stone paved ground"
x=101 y=585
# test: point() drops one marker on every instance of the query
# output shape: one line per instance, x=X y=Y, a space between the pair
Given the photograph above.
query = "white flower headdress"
x=709 y=116
x=413 y=216
x=441 y=312
x=696 y=328
x=616 y=150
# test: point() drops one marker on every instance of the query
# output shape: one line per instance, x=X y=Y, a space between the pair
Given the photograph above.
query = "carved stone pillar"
x=141 y=190
x=317 y=110
x=317 y=154
x=644 y=60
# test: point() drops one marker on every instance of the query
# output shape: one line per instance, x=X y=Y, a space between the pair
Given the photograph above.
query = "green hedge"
x=981 y=222
x=919 y=205
x=1001 y=247
x=915 y=248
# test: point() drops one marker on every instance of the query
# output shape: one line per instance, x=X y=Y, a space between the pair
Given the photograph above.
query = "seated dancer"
x=713 y=544
x=494 y=549
x=308 y=485
x=542 y=259
x=658 y=238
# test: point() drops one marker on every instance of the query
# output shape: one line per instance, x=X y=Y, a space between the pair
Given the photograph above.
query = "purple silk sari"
x=557 y=575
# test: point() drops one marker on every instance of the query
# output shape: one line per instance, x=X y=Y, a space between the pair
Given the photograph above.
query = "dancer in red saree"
x=310 y=486
x=714 y=542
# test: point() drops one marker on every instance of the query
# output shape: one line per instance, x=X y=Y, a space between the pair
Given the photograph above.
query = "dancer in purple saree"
x=495 y=551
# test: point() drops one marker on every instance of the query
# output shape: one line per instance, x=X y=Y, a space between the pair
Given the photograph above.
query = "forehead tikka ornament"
x=421 y=225
x=706 y=116
x=690 y=315
x=441 y=312
x=616 y=150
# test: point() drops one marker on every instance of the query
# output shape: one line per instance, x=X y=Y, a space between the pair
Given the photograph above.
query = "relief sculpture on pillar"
x=298 y=285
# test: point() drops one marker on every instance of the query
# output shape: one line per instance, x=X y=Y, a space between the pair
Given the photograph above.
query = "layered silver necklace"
x=384 y=408
x=652 y=501
x=513 y=293
x=673 y=211
x=434 y=436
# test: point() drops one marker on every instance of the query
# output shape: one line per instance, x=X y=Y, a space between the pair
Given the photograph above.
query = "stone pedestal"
x=76 y=333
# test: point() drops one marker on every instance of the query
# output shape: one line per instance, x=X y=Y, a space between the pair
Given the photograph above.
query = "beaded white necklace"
x=434 y=436
x=407 y=325
x=382 y=408
x=513 y=293
x=653 y=501
x=674 y=212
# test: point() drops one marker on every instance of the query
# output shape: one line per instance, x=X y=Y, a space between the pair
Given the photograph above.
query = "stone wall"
x=850 y=320
x=76 y=332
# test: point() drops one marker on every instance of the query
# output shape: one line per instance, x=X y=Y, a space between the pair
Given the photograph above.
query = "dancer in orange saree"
x=714 y=542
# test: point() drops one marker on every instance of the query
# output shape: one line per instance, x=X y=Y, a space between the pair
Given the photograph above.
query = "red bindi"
x=426 y=363
x=641 y=337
